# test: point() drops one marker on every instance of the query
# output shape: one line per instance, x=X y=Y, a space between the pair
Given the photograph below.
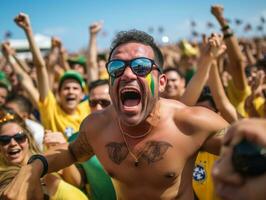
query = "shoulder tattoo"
x=221 y=132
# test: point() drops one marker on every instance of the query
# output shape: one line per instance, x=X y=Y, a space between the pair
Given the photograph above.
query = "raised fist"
x=213 y=46
x=7 y=49
x=22 y=20
x=56 y=42
x=217 y=10
x=95 y=27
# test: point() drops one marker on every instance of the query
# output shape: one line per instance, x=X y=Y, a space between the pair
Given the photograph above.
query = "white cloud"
x=57 y=31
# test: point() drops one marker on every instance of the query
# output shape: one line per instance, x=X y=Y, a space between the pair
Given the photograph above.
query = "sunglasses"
x=19 y=137
x=140 y=66
x=103 y=102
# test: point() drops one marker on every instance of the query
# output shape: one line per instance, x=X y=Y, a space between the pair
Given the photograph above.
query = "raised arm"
x=211 y=49
x=25 y=79
x=236 y=58
x=23 y=21
x=223 y=104
x=92 y=65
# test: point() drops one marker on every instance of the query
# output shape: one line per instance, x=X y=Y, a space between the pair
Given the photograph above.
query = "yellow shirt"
x=202 y=180
x=65 y=191
x=259 y=104
x=55 y=119
x=238 y=97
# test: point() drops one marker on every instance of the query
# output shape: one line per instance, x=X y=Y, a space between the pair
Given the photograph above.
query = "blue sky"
x=69 y=20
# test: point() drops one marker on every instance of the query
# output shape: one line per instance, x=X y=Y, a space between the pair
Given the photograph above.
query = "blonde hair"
x=7 y=171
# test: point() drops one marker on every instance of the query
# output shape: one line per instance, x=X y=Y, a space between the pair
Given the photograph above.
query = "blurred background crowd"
x=53 y=88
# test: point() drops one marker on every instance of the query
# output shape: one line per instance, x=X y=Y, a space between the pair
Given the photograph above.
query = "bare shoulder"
x=198 y=119
x=91 y=127
x=168 y=105
x=93 y=123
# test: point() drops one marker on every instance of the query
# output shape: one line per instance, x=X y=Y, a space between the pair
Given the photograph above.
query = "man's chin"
x=130 y=120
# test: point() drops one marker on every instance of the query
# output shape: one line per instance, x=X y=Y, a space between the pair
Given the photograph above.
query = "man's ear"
x=162 y=82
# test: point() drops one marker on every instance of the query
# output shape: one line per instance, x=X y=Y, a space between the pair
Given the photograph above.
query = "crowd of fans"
x=44 y=100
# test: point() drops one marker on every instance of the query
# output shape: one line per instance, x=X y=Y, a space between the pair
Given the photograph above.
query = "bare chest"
x=155 y=160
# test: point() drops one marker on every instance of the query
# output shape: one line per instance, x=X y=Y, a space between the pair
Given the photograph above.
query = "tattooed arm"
x=80 y=149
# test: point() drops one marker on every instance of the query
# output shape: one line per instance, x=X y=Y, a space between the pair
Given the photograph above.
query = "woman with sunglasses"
x=17 y=145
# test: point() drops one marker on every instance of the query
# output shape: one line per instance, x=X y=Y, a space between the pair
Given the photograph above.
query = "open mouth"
x=70 y=99
x=14 y=152
x=130 y=97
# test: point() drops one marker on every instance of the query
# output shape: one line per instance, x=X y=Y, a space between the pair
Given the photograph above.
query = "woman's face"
x=14 y=145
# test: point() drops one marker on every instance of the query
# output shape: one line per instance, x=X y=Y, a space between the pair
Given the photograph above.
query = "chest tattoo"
x=151 y=152
x=154 y=151
x=117 y=152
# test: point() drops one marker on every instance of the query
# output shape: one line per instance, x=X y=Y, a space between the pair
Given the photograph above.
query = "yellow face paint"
x=150 y=80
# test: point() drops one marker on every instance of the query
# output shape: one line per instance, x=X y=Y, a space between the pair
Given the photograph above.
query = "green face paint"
x=112 y=80
x=150 y=80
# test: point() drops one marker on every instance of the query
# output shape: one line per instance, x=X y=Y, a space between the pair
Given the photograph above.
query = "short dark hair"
x=97 y=83
x=24 y=103
x=169 y=69
x=138 y=36
x=207 y=96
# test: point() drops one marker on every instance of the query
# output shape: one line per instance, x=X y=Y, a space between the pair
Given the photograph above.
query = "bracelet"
x=228 y=35
x=42 y=159
x=224 y=28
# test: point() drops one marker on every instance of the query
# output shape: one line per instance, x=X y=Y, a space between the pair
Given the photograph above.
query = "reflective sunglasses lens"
x=20 y=137
x=93 y=103
x=4 y=140
x=116 y=68
x=105 y=103
x=141 y=66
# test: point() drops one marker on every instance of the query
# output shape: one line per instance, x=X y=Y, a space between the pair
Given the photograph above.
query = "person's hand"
x=7 y=49
x=213 y=47
x=56 y=42
x=53 y=138
x=217 y=11
x=228 y=183
x=23 y=21
x=25 y=186
x=95 y=27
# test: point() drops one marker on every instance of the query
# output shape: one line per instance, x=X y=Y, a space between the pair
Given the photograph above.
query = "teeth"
x=14 y=151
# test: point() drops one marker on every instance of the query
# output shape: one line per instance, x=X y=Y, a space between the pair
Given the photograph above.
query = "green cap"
x=4 y=81
x=77 y=60
x=71 y=74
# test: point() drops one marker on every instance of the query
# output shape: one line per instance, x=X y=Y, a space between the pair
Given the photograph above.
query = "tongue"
x=131 y=102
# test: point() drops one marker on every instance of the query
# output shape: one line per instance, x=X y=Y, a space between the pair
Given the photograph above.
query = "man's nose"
x=128 y=74
x=99 y=107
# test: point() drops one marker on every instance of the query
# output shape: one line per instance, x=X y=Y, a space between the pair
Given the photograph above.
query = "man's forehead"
x=132 y=50
x=101 y=89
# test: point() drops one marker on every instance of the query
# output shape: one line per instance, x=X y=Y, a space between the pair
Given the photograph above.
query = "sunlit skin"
x=15 y=107
x=22 y=156
x=165 y=156
x=70 y=95
x=3 y=95
x=175 y=85
x=99 y=92
x=133 y=115
x=78 y=68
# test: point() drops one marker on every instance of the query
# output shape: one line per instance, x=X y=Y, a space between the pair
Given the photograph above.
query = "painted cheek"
x=111 y=80
x=150 y=81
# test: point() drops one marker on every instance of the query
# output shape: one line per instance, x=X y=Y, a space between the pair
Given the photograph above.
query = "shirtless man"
x=147 y=144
